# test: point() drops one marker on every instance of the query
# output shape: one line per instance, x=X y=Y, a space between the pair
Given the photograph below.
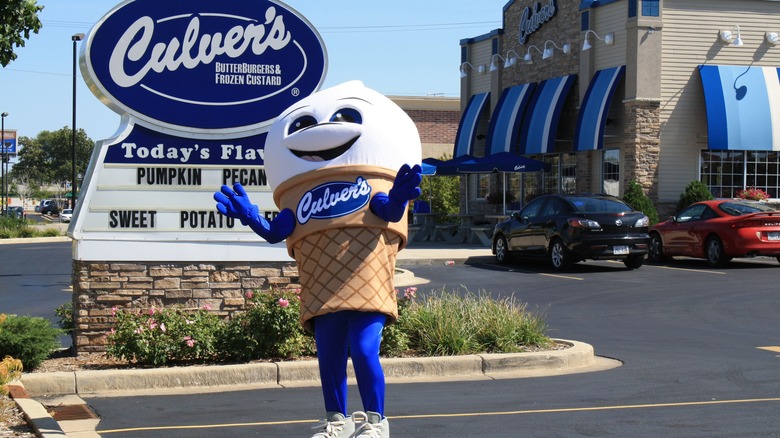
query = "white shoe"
x=335 y=426
x=370 y=425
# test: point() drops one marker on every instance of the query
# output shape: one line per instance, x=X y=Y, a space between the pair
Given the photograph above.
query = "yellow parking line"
x=563 y=276
x=770 y=348
x=703 y=271
x=464 y=414
x=597 y=408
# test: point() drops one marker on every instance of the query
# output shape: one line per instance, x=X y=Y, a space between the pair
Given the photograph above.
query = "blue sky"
x=403 y=47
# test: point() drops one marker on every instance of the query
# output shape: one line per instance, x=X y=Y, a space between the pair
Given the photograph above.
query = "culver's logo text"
x=333 y=199
x=223 y=67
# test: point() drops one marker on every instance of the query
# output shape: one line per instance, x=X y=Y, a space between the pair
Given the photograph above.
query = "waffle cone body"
x=348 y=268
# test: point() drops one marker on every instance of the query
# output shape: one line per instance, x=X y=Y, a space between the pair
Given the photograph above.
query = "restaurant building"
x=606 y=92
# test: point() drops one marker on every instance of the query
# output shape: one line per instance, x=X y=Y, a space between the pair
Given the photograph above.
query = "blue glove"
x=391 y=207
x=234 y=203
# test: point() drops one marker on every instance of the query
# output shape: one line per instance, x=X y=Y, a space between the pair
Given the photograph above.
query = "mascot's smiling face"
x=345 y=125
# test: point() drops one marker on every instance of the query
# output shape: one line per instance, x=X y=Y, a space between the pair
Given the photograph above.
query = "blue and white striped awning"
x=743 y=107
x=540 y=123
x=467 y=130
x=589 y=134
x=504 y=132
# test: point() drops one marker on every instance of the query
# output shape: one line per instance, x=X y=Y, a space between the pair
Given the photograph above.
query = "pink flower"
x=189 y=322
x=152 y=310
x=250 y=294
x=152 y=323
x=207 y=307
x=162 y=327
x=190 y=342
x=410 y=293
x=113 y=311
x=283 y=302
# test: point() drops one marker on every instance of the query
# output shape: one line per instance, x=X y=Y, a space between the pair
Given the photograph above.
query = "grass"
x=11 y=228
x=447 y=323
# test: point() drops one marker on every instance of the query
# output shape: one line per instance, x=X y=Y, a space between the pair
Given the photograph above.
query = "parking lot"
x=699 y=349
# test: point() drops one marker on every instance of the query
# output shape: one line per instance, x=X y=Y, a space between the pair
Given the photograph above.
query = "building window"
x=725 y=173
x=610 y=172
x=651 y=8
x=632 y=8
x=569 y=173
x=483 y=185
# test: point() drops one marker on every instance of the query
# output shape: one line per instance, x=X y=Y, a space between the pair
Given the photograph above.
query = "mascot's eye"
x=301 y=123
x=347 y=115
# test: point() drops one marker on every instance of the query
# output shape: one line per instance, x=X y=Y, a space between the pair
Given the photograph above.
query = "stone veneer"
x=642 y=144
x=221 y=286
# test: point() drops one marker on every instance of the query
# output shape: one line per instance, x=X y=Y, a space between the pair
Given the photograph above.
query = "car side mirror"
x=516 y=215
x=673 y=218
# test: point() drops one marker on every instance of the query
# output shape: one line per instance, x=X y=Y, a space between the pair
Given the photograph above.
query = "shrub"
x=65 y=312
x=30 y=339
x=448 y=324
x=636 y=198
x=695 y=191
x=158 y=337
x=269 y=329
x=10 y=369
x=753 y=194
x=395 y=341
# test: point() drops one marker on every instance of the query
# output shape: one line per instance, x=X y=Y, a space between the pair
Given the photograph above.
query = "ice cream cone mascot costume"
x=343 y=164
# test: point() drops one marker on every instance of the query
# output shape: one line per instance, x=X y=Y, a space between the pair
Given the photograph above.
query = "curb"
x=304 y=372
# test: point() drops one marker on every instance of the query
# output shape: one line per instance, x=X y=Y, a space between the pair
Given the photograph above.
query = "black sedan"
x=571 y=228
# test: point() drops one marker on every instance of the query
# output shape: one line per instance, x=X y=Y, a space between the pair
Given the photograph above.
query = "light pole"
x=74 y=38
x=2 y=164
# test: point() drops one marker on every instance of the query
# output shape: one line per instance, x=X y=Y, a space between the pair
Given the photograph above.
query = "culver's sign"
x=333 y=199
x=203 y=67
x=535 y=16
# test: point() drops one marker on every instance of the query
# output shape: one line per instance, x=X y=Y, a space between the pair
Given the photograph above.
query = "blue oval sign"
x=333 y=199
x=223 y=66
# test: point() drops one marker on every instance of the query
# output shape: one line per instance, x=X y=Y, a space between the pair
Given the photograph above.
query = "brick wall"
x=436 y=126
x=100 y=286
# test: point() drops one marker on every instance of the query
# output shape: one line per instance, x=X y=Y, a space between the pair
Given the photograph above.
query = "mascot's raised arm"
x=343 y=164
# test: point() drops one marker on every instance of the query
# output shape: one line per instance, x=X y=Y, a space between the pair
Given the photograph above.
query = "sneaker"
x=335 y=426
x=370 y=425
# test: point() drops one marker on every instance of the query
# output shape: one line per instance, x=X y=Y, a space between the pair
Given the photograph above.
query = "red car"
x=718 y=231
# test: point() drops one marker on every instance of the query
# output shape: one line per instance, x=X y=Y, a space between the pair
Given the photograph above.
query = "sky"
x=403 y=47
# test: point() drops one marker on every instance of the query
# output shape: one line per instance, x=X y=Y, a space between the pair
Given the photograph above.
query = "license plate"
x=620 y=249
x=773 y=235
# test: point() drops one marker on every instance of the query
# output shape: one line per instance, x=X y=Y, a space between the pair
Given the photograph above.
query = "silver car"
x=66 y=215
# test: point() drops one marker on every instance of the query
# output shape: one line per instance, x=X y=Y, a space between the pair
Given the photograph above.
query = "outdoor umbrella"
x=502 y=162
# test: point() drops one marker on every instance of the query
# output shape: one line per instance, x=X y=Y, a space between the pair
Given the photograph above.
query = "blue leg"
x=365 y=337
x=330 y=335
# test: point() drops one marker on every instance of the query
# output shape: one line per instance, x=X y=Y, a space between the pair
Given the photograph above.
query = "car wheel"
x=656 y=253
x=715 y=254
x=502 y=249
x=559 y=256
x=634 y=261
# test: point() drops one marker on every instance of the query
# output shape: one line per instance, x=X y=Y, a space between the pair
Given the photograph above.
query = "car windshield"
x=67 y=211
x=740 y=208
x=602 y=205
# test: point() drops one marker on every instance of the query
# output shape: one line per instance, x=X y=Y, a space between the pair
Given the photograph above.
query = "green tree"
x=442 y=193
x=20 y=17
x=46 y=159
x=636 y=198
